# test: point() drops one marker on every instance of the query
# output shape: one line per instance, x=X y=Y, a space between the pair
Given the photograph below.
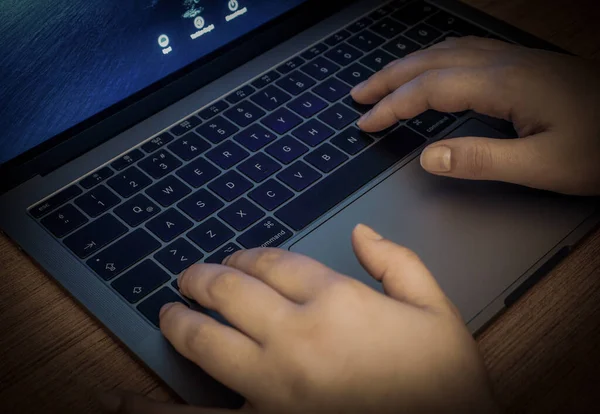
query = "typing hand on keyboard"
x=306 y=339
x=552 y=99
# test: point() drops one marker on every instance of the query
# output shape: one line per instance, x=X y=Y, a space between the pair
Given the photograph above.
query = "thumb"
x=476 y=158
x=403 y=275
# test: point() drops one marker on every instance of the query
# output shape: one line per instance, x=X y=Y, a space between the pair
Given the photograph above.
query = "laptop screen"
x=64 y=61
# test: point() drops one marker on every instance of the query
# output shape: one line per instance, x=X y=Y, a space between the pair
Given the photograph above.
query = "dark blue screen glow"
x=63 y=61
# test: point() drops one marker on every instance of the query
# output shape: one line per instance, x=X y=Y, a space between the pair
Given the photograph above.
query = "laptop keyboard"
x=251 y=169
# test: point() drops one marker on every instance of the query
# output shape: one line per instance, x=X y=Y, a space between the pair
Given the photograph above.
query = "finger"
x=297 y=277
x=403 y=275
x=514 y=161
x=246 y=302
x=449 y=90
x=404 y=70
x=127 y=403
x=473 y=42
x=224 y=353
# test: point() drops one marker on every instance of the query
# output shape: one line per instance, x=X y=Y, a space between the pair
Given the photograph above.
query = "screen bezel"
x=83 y=137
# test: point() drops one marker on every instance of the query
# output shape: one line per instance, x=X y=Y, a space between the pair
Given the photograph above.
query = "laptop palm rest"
x=477 y=238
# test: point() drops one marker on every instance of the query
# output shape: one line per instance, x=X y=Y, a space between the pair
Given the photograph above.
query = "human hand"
x=310 y=340
x=552 y=99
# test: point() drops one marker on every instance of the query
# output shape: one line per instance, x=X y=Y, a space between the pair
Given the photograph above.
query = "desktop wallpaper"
x=63 y=61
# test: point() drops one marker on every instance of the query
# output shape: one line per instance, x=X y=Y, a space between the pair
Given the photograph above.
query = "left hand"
x=310 y=340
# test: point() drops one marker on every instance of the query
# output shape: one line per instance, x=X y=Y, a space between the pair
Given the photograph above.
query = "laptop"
x=140 y=138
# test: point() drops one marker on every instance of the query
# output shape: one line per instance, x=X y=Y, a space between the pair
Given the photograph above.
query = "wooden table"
x=543 y=354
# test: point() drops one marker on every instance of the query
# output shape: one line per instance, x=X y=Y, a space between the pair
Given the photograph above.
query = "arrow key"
x=140 y=281
x=178 y=256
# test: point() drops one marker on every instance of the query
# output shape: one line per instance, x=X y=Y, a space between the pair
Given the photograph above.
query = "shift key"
x=123 y=254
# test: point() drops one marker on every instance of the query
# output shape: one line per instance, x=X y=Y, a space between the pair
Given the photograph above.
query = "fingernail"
x=359 y=87
x=225 y=260
x=437 y=159
x=364 y=118
x=165 y=308
x=109 y=401
x=368 y=232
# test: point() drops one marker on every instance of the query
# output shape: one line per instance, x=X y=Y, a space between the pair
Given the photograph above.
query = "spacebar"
x=333 y=189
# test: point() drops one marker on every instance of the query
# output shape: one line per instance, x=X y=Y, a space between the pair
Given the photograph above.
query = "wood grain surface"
x=543 y=353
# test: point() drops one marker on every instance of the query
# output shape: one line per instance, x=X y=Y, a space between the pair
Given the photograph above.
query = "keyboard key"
x=200 y=205
x=168 y=191
x=178 y=256
x=198 y=172
x=282 y=120
x=295 y=83
x=230 y=186
x=270 y=98
x=150 y=308
x=140 y=281
x=97 y=177
x=213 y=110
x=259 y=167
x=222 y=253
x=217 y=130
x=366 y=41
x=97 y=201
x=290 y=65
x=287 y=149
x=157 y=142
x=127 y=159
x=94 y=236
x=299 y=176
x=210 y=234
x=123 y=254
x=339 y=116
x=414 y=13
x=137 y=210
x=423 y=34
x=255 y=137
x=55 y=201
x=320 y=68
x=244 y=113
x=357 y=172
x=326 y=158
x=344 y=54
x=159 y=164
x=266 y=79
x=360 y=108
x=388 y=28
x=430 y=123
x=189 y=146
x=237 y=96
x=241 y=214
x=332 y=89
x=377 y=60
x=446 y=22
x=352 y=140
x=314 y=51
x=360 y=25
x=380 y=13
x=267 y=233
x=270 y=195
x=313 y=132
x=169 y=225
x=307 y=105
x=401 y=46
x=64 y=220
x=337 y=38
x=185 y=126
x=355 y=74
x=227 y=154
x=129 y=182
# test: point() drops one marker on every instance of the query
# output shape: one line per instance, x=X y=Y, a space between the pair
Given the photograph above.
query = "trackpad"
x=477 y=238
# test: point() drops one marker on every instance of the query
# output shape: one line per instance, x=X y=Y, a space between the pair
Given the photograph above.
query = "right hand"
x=553 y=101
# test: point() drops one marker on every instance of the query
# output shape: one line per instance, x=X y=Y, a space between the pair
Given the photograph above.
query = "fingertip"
x=365 y=232
x=165 y=308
